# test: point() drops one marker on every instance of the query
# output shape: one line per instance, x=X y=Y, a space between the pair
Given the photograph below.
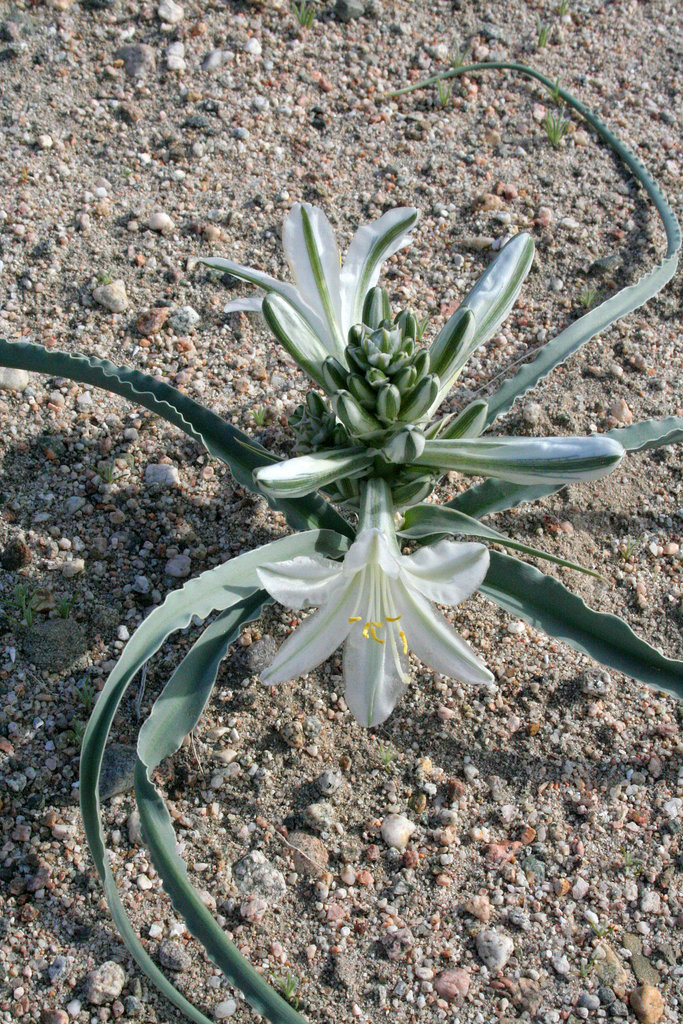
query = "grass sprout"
x=445 y=90
x=65 y=606
x=629 y=547
x=304 y=13
x=563 y=8
x=25 y=602
x=386 y=756
x=259 y=415
x=588 y=296
x=554 y=94
x=289 y=986
x=542 y=33
x=556 y=127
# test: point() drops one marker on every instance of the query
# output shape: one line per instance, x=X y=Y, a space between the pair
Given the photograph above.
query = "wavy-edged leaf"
x=308 y=473
x=547 y=605
x=649 y=434
x=217 y=589
x=526 y=460
x=233 y=447
x=371 y=245
x=429 y=522
x=175 y=714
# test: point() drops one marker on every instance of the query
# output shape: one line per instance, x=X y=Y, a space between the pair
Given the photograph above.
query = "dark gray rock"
x=118 y=766
x=347 y=10
x=138 y=59
x=255 y=875
x=174 y=957
x=260 y=654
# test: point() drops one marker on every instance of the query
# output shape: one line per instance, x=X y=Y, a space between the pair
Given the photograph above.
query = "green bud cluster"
x=388 y=383
x=316 y=427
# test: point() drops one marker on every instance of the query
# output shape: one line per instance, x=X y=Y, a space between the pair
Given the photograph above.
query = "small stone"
x=292 y=733
x=397 y=830
x=328 y=783
x=184 y=319
x=309 y=855
x=179 y=567
x=580 y=888
x=320 y=815
x=174 y=957
x=533 y=413
x=112 y=296
x=54 y=644
x=134 y=828
x=160 y=221
x=170 y=12
x=175 y=57
x=225 y=1009
x=54 y=1017
x=118 y=770
x=253 y=874
x=13 y=380
x=588 y=1000
x=45 y=142
x=73 y=568
x=17 y=554
x=260 y=654
x=104 y=985
x=347 y=10
x=610 y=969
x=138 y=59
x=253 y=47
x=647 y=1004
x=74 y=504
x=453 y=984
x=162 y=474
x=151 y=320
x=581 y=137
x=479 y=907
x=621 y=412
x=494 y=948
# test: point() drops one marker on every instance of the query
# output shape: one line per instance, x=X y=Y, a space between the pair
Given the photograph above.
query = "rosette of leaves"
x=313 y=319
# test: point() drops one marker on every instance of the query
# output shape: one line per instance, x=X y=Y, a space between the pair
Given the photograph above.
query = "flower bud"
x=334 y=374
x=388 y=403
x=361 y=390
x=406 y=446
x=376 y=307
x=419 y=401
x=357 y=420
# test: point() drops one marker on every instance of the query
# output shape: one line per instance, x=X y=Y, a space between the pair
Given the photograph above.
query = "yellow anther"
x=405 y=642
x=374 y=635
x=394 y=618
x=355 y=618
x=377 y=625
x=366 y=630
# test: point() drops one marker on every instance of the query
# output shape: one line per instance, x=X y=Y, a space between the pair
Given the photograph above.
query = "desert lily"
x=377 y=602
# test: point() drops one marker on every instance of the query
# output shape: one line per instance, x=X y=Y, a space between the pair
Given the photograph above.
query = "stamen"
x=366 y=630
x=355 y=618
x=405 y=642
x=374 y=635
x=393 y=618
x=377 y=625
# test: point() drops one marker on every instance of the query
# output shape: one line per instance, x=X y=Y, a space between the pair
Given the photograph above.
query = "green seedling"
x=556 y=127
x=304 y=13
x=542 y=33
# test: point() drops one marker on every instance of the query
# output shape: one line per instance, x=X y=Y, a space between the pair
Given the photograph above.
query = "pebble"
x=347 y=10
x=105 y=984
x=320 y=815
x=17 y=554
x=253 y=47
x=151 y=320
x=170 y=12
x=175 y=57
x=163 y=474
x=112 y=296
x=160 y=221
x=179 y=567
x=254 y=874
x=328 y=783
x=45 y=142
x=453 y=984
x=647 y=1004
x=588 y=1000
x=174 y=957
x=396 y=831
x=73 y=568
x=13 y=380
x=309 y=855
x=225 y=1009
x=138 y=59
x=118 y=770
x=621 y=412
x=580 y=888
x=494 y=948
x=184 y=319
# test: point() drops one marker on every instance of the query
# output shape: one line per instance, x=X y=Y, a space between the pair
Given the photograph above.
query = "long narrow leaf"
x=308 y=473
x=546 y=604
x=625 y=301
x=649 y=434
x=174 y=715
x=429 y=522
x=233 y=447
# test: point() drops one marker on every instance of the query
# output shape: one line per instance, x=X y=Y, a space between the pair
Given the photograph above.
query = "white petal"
x=312 y=253
x=446 y=572
x=376 y=676
x=371 y=245
x=435 y=642
x=372 y=547
x=300 y=582
x=249 y=304
x=314 y=640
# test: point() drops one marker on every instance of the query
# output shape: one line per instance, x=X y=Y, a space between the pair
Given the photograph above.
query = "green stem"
x=377 y=508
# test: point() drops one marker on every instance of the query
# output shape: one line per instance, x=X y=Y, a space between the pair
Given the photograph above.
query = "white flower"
x=313 y=316
x=378 y=604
